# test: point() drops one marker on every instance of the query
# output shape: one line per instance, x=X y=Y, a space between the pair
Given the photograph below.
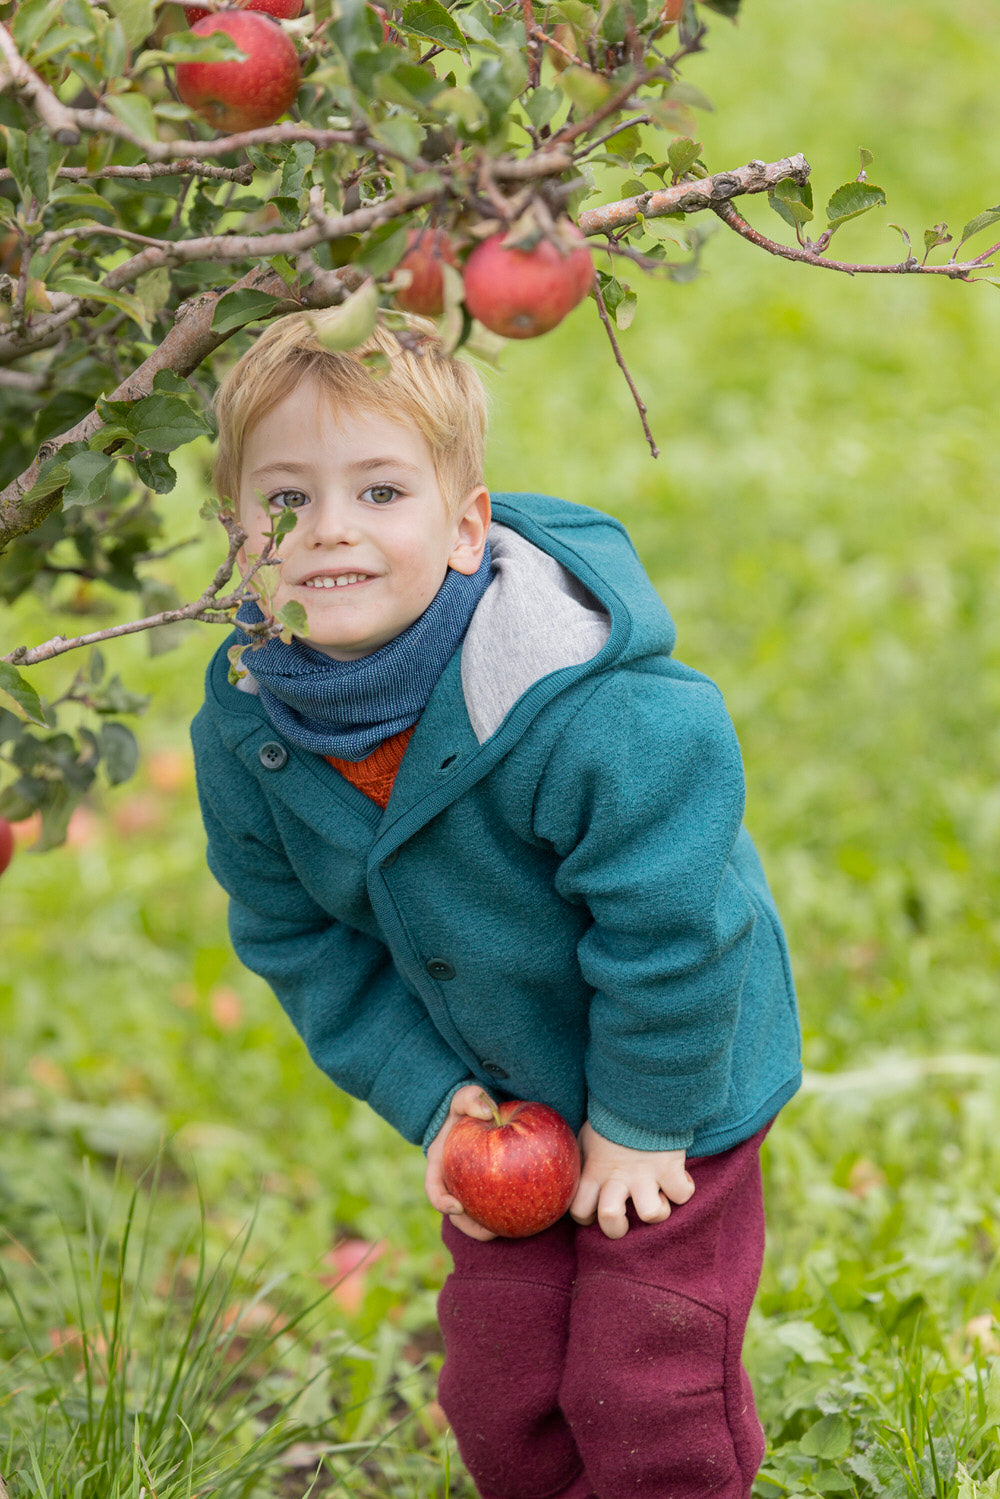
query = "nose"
x=330 y=523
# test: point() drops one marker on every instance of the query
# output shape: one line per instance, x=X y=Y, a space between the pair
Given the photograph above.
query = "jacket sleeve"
x=360 y=1022
x=642 y=799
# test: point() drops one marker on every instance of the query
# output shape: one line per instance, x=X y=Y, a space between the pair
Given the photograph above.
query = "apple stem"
x=493 y=1109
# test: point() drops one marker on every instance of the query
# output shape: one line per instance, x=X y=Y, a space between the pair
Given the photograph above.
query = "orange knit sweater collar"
x=375 y=774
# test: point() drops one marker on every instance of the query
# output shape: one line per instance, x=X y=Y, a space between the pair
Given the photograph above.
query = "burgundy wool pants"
x=581 y=1367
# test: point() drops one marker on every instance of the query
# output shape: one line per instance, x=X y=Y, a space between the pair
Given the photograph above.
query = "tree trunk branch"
x=694 y=195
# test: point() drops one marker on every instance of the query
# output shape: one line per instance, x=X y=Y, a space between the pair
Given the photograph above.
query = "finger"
x=470 y=1227
x=437 y=1193
x=583 y=1208
x=650 y=1203
x=472 y=1101
x=611 y=1214
x=679 y=1187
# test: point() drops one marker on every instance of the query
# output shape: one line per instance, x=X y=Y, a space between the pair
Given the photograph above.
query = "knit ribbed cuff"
x=441 y=1113
x=613 y=1127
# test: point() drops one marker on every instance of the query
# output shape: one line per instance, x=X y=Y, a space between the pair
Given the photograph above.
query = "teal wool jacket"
x=560 y=900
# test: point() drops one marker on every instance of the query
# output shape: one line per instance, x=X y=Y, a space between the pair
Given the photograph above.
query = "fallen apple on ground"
x=515 y=1173
x=251 y=92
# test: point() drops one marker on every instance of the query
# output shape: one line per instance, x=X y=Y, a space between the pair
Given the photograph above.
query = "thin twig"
x=147 y=171
x=609 y=135
x=911 y=266
x=209 y=607
x=531 y=44
x=620 y=361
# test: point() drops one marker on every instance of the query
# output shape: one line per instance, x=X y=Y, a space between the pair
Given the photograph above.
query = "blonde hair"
x=416 y=382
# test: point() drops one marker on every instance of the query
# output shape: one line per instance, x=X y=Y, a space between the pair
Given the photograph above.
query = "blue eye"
x=381 y=494
x=287 y=499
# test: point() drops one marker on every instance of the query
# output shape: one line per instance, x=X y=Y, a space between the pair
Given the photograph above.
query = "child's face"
x=374 y=536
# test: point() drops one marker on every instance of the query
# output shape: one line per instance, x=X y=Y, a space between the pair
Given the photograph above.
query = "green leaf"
x=429 y=19
x=584 y=88
x=119 y=752
x=156 y=471
x=17 y=158
x=981 y=221
x=829 y=1438
x=237 y=308
x=51 y=476
x=159 y=421
x=401 y=135
x=384 y=248
x=353 y=320
x=463 y=106
x=137 y=18
x=236 y=667
x=297 y=164
x=682 y=155
x=937 y=236
x=135 y=112
x=33 y=19
x=21 y=692
x=294 y=616
x=794 y=213
x=852 y=200
x=541 y=104
x=686 y=93
x=89 y=477
x=993 y=1395
x=867 y=157
x=93 y=291
x=625 y=144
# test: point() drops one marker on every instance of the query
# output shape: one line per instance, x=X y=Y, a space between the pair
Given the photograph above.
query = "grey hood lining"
x=533 y=619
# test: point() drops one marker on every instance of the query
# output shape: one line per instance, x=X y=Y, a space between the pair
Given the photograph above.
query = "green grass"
x=823 y=526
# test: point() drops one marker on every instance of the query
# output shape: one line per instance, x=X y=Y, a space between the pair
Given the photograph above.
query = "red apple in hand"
x=523 y=292
x=244 y=95
x=516 y=1173
x=425 y=251
x=6 y=843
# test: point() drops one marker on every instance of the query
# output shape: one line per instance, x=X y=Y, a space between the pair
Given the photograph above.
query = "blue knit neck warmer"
x=347 y=708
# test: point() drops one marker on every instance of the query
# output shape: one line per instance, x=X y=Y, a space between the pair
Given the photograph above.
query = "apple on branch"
x=522 y=290
x=282 y=10
x=252 y=91
x=426 y=250
x=6 y=843
x=515 y=1173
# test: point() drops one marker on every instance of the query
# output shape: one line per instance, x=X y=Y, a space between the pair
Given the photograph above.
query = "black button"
x=390 y=858
x=272 y=755
x=440 y=968
x=494 y=1070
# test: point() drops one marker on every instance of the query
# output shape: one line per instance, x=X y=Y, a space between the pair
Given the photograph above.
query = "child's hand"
x=614 y=1173
x=468 y=1100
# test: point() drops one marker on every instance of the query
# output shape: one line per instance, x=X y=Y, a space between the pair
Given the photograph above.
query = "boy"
x=480 y=831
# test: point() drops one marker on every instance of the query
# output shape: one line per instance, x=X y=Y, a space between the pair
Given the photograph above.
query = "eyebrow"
x=363 y=466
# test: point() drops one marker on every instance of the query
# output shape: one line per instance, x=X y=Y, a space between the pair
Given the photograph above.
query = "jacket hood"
x=568 y=588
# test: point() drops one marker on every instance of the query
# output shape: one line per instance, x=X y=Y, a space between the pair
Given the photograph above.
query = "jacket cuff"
x=613 y=1127
x=440 y=1114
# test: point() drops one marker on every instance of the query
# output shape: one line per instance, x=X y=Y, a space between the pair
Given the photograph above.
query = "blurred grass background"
x=823 y=526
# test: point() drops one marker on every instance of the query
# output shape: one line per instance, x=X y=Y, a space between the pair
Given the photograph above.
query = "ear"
x=472 y=528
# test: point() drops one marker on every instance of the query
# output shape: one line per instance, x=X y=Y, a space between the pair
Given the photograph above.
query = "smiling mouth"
x=342 y=580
